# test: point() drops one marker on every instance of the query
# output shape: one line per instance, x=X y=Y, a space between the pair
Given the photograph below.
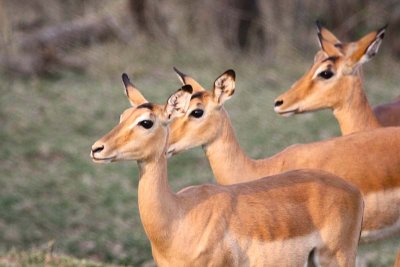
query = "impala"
x=388 y=114
x=282 y=220
x=397 y=262
x=335 y=82
x=369 y=160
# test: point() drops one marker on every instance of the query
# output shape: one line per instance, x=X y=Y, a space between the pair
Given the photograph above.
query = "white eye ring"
x=139 y=119
x=322 y=68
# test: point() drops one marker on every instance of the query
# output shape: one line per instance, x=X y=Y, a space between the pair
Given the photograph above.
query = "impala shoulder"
x=204 y=189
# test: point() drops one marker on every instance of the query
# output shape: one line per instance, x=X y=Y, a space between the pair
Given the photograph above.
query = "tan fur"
x=397 y=262
x=370 y=160
x=274 y=221
x=360 y=47
x=388 y=114
x=328 y=35
x=343 y=93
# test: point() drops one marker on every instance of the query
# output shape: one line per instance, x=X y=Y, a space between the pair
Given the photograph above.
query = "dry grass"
x=38 y=258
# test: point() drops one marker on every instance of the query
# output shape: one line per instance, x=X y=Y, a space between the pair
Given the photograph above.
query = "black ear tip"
x=231 y=73
x=381 y=31
x=318 y=23
x=125 y=79
x=187 y=88
x=179 y=72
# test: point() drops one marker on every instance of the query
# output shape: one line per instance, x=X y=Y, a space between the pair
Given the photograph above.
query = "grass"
x=43 y=258
x=50 y=189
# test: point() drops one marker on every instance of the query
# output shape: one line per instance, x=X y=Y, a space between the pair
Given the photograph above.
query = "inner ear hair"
x=178 y=103
x=224 y=86
x=229 y=76
x=373 y=48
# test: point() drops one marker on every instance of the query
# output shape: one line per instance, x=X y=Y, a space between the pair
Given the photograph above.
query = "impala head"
x=142 y=131
x=203 y=120
x=328 y=82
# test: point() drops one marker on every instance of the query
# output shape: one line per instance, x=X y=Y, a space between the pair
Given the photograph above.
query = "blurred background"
x=60 y=90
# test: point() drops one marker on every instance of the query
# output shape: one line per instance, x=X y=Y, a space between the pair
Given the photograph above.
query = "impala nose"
x=278 y=103
x=97 y=149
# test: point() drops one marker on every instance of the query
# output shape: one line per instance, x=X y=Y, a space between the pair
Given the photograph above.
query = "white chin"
x=170 y=153
x=283 y=113
x=276 y=109
x=288 y=114
x=101 y=161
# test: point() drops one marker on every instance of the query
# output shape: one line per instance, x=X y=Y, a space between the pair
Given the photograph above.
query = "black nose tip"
x=97 y=149
x=278 y=103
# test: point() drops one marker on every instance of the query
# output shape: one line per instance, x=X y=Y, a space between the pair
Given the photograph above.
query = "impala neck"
x=355 y=114
x=158 y=206
x=228 y=161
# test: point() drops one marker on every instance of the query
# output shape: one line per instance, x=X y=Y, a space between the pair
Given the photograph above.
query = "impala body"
x=335 y=82
x=283 y=220
x=397 y=262
x=369 y=160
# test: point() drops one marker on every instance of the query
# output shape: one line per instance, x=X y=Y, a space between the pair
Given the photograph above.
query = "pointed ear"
x=178 y=103
x=365 y=49
x=133 y=94
x=185 y=79
x=329 y=48
x=224 y=87
x=326 y=34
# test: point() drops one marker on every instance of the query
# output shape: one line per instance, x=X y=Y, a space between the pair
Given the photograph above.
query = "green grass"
x=50 y=189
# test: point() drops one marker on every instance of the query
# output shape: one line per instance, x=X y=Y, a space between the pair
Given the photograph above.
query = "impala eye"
x=326 y=74
x=197 y=113
x=147 y=124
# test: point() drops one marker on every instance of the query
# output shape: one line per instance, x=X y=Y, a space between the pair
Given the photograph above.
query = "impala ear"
x=329 y=48
x=133 y=94
x=224 y=87
x=185 y=79
x=326 y=34
x=365 y=48
x=178 y=103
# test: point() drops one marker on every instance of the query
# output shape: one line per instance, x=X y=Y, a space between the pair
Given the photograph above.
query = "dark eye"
x=147 y=124
x=197 y=113
x=326 y=74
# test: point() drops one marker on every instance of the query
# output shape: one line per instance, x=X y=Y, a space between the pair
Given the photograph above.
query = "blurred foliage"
x=50 y=189
x=268 y=27
x=272 y=28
